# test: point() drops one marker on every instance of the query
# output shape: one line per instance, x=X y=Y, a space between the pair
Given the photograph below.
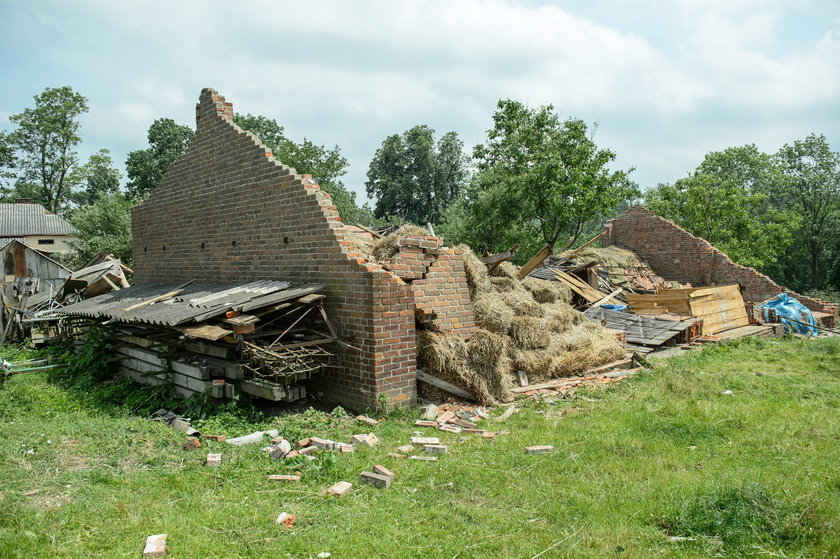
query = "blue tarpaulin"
x=789 y=309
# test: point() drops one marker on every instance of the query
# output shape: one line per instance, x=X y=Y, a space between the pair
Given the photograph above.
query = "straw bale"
x=478 y=280
x=522 y=303
x=528 y=332
x=545 y=291
x=505 y=270
x=491 y=313
x=389 y=245
x=560 y=317
x=605 y=256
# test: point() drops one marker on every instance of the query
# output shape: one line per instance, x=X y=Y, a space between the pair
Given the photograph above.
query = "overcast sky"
x=666 y=81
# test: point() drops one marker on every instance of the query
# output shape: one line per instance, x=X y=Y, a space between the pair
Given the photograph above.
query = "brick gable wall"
x=227 y=211
x=676 y=254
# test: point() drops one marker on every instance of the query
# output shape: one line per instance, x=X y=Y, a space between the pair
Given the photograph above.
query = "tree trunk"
x=815 y=259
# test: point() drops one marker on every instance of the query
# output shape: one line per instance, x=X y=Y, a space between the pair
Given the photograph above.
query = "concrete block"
x=377 y=480
x=214 y=459
x=340 y=489
x=308 y=450
x=155 y=547
x=425 y=440
x=426 y=458
x=346 y=448
x=543 y=449
x=405 y=448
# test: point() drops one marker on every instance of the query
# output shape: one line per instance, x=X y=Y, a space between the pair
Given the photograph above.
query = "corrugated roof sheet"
x=198 y=301
x=18 y=220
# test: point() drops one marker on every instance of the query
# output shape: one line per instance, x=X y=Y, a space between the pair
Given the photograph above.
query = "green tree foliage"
x=325 y=165
x=145 y=167
x=414 y=178
x=45 y=140
x=7 y=163
x=95 y=179
x=811 y=188
x=727 y=201
x=103 y=226
x=540 y=181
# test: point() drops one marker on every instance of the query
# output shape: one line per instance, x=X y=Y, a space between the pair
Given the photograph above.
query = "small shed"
x=25 y=265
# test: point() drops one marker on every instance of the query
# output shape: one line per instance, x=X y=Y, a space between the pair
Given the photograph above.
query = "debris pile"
x=260 y=338
x=527 y=326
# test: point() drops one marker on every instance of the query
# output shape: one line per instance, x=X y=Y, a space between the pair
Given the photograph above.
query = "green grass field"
x=754 y=473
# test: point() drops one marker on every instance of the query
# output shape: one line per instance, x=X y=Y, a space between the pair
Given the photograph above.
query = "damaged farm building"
x=247 y=281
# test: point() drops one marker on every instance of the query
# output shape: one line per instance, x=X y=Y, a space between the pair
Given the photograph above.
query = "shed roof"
x=25 y=218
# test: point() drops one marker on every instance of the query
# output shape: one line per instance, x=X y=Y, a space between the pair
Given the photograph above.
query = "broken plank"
x=206 y=332
x=443 y=385
x=158 y=299
x=535 y=261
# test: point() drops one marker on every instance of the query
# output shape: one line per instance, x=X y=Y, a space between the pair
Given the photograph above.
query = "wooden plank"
x=206 y=332
x=535 y=261
x=157 y=299
x=615 y=293
x=494 y=260
x=423 y=376
x=583 y=289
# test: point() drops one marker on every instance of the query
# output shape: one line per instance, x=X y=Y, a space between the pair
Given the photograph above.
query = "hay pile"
x=522 y=325
x=386 y=247
x=624 y=267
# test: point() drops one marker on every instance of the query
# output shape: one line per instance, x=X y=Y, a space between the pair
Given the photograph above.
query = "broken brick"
x=292 y=478
x=426 y=458
x=340 y=489
x=377 y=480
x=192 y=443
x=424 y=423
x=449 y=428
x=425 y=440
x=366 y=420
x=436 y=449
x=286 y=519
x=383 y=471
x=216 y=438
x=542 y=449
x=303 y=443
x=446 y=417
x=155 y=547
x=463 y=423
x=405 y=448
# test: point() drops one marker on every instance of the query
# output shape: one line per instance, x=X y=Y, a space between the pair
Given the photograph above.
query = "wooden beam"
x=535 y=261
x=158 y=299
x=423 y=376
x=615 y=293
x=586 y=244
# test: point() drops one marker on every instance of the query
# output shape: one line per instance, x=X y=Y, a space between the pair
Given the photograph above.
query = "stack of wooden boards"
x=721 y=308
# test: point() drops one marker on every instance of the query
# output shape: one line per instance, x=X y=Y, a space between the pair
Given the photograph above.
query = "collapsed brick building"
x=227 y=211
x=676 y=254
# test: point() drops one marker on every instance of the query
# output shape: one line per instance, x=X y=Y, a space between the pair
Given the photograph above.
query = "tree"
x=45 y=139
x=325 y=165
x=727 y=201
x=414 y=178
x=104 y=226
x=811 y=188
x=96 y=178
x=541 y=179
x=7 y=162
x=145 y=168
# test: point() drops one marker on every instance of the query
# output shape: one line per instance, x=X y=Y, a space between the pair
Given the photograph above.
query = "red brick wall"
x=676 y=254
x=227 y=211
x=439 y=282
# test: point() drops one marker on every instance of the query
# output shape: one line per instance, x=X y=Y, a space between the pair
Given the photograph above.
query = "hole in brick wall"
x=202 y=245
x=145 y=249
x=164 y=247
x=233 y=243
x=286 y=240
